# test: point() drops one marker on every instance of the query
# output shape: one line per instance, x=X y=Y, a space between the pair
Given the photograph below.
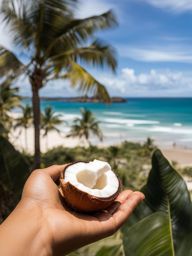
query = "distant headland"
x=81 y=99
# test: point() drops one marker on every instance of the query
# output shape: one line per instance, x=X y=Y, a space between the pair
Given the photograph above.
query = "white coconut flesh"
x=95 y=178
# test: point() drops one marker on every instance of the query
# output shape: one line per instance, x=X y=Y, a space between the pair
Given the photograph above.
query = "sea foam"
x=122 y=114
x=129 y=122
x=167 y=129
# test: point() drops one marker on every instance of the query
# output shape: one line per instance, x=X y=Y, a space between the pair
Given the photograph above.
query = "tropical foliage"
x=14 y=170
x=9 y=99
x=50 y=122
x=162 y=224
x=132 y=160
x=54 y=44
x=25 y=120
x=86 y=125
x=149 y=143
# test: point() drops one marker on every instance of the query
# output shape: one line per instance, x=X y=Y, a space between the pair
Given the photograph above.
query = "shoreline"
x=179 y=154
x=115 y=99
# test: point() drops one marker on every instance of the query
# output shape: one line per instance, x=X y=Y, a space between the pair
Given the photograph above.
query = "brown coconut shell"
x=82 y=201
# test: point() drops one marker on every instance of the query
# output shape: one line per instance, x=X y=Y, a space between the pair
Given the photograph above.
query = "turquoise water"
x=165 y=120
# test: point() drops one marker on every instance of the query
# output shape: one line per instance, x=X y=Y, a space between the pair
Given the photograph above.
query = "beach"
x=167 y=121
x=180 y=155
x=54 y=139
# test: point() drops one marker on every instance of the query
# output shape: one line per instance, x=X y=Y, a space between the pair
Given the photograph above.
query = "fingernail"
x=142 y=196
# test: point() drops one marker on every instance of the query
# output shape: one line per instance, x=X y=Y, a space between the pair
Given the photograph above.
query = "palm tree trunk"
x=87 y=140
x=89 y=143
x=47 y=142
x=26 y=139
x=36 y=123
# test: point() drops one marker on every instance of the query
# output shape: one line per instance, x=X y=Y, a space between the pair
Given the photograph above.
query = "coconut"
x=89 y=187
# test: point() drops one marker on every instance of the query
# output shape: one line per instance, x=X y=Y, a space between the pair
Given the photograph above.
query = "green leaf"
x=8 y=62
x=50 y=40
x=86 y=83
x=149 y=237
x=13 y=166
x=97 y=54
x=85 y=126
x=14 y=170
x=75 y=31
x=165 y=192
x=109 y=251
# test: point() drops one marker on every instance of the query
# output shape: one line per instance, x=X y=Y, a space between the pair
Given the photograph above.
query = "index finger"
x=127 y=208
x=54 y=171
x=127 y=204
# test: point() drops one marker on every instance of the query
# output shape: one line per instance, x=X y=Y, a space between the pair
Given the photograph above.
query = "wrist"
x=25 y=230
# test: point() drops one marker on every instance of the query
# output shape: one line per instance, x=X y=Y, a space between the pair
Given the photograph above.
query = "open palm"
x=64 y=229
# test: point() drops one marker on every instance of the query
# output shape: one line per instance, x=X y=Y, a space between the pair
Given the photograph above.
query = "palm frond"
x=86 y=83
x=26 y=119
x=48 y=17
x=9 y=97
x=9 y=63
x=50 y=121
x=85 y=126
x=97 y=131
x=79 y=30
x=16 y=15
x=33 y=22
x=97 y=54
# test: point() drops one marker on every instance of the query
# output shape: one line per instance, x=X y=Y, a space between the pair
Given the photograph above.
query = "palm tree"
x=3 y=131
x=54 y=44
x=25 y=121
x=85 y=126
x=149 y=144
x=49 y=122
x=113 y=153
x=9 y=99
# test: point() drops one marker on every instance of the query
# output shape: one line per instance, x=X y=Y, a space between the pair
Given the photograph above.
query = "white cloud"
x=153 y=77
x=151 y=83
x=93 y=7
x=173 y=5
x=128 y=83
x=5 y=39
x=161 y=54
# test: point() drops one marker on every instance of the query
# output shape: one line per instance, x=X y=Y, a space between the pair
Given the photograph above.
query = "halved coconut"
x=89 y=187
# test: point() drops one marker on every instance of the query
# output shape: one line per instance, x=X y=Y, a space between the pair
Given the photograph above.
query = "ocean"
x=166 y=120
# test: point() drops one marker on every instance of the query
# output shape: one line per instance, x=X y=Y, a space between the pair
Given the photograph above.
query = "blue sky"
x=154 y=48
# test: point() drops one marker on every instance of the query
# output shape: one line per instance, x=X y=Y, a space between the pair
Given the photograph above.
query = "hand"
x=60 y=230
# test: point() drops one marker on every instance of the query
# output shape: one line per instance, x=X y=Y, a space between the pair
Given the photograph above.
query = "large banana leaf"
x=13 y=167
x=109 y=250
x=162 y=224
x=113 y=250
x=147 y=237
x=13 y=173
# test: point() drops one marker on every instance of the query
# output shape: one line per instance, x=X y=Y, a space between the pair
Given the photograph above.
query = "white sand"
x=53 y=139
x=24 y=140
x=180 y=155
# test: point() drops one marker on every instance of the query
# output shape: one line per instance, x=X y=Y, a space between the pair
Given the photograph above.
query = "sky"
x=153 y=43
